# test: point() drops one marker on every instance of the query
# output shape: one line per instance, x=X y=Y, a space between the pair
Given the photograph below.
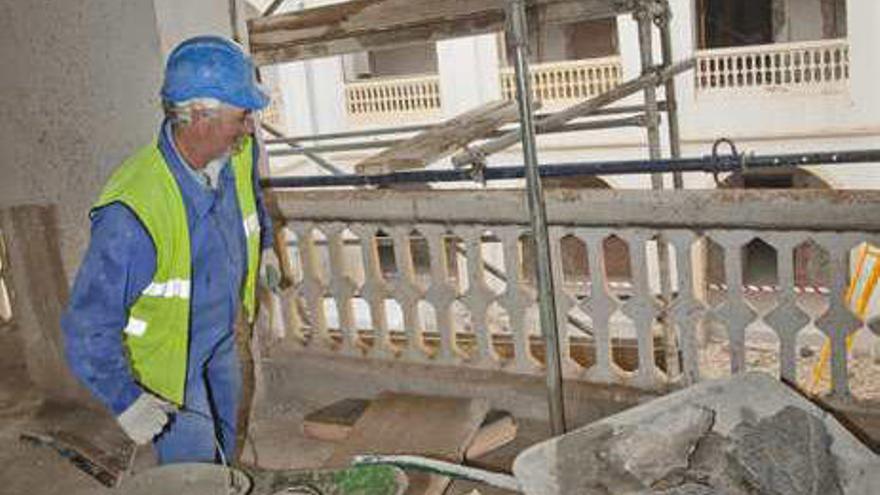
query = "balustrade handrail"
x=568 y=79
x=811 y=64
x=392 y=81
x=774 y=47
x=393 y=96
x=450 y=304
x=740 y=208
x=569 y=64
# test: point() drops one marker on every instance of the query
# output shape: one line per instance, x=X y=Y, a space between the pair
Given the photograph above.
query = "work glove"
x=270 y=273
x=145 y=418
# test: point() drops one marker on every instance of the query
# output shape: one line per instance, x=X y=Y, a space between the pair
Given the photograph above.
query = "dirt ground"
x=279 y=443
x=863 y=372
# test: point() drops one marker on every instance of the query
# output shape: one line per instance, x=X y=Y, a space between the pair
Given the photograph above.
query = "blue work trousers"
x=208 y=417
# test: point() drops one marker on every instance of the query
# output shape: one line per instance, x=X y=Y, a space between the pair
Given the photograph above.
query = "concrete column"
x=468 y=72
x=80 y=92
x=178 y=20
x=313 y=92
x=684 y=45
x=862 y=19
x=628 y=43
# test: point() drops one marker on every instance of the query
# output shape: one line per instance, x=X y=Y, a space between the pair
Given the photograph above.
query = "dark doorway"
x=725 y=23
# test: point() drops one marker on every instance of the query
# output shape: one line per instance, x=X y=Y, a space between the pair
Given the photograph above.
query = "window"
x=400 y=61
x=572 y=41
x=725 y=23
x=729 y=23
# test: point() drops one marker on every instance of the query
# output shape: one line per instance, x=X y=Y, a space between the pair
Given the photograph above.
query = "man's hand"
x=270 y=274
x=145 y=418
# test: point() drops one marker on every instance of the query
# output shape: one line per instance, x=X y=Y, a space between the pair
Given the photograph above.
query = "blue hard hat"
x=212 y=67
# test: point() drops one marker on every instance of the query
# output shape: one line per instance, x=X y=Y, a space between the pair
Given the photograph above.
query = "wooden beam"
x=429 y=146
x=362 y=25
x=582 y=109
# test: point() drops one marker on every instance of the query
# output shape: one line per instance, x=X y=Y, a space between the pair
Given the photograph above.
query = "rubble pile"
x=748 y=435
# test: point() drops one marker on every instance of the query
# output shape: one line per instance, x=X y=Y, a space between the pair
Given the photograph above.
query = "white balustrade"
x=567 y=81
x=390 y=100
x=814 y=65
x=446 y=284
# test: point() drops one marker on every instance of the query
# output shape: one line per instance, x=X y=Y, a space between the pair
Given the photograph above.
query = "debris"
x=749 y=434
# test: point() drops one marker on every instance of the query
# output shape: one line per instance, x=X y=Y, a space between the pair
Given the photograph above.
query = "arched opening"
x=810 y=261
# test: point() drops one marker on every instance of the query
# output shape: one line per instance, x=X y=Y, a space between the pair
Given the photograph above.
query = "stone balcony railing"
x=442 y=278
x=820 y=66
x=393 y=100
x=561 y=83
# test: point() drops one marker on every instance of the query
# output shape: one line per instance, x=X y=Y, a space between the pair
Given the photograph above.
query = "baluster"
x=517 y=299
x=687 y=309
x=420 y=97
x=478 y=299
x=408 y=293
x=642 y=307
x=734 y=311
x=374 y=291
x=838 y=321
x=786 y=319
x=289 y=297
x=564 y=302
x=314 y=287
x=441 y=295
x=342 y=287
x=600 y=307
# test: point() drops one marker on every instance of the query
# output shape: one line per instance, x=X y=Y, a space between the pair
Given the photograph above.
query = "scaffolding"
x=370 y=24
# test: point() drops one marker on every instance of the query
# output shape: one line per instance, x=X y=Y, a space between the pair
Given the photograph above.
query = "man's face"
x=222 y=131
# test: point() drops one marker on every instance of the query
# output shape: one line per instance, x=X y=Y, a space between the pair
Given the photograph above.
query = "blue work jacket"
x=120 y=262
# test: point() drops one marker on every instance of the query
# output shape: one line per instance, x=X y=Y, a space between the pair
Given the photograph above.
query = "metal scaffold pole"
x=645 y=15
x=516 y=17
x=663 y=19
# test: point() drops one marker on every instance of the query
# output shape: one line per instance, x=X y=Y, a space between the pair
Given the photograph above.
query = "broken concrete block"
x=651 y=451
x=749 y=448
x=786 y=453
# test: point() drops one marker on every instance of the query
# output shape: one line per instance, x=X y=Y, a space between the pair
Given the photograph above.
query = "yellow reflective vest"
x=157 y=332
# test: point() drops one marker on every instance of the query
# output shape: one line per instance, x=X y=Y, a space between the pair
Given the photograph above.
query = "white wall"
x=469 y=72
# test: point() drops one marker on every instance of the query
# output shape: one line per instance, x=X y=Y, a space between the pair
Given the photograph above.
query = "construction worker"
x=175 y=246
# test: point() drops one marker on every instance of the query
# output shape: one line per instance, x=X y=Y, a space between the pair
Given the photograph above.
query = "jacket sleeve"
x=266 y=227
x=119 y=263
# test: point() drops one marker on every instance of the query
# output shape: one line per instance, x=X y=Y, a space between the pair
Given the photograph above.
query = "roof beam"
x=361 y=25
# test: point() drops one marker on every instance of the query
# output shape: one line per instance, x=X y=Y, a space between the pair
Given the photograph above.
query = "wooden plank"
x=69 y=419
x=433 y=144
x=39 y=292
x=335 y=422
x=88 y=436
x=362 y=25
x=437 y=427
